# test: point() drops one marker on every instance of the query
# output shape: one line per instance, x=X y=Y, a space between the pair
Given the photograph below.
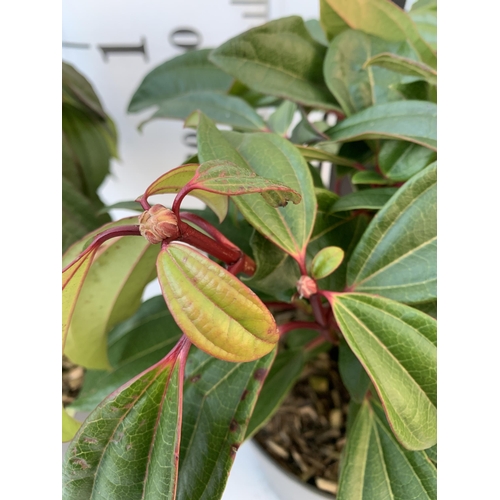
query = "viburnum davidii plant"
x=176 y=384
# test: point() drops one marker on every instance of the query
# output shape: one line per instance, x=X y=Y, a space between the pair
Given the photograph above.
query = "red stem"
x=112 y=232
x=207 y=227
x=295 y=325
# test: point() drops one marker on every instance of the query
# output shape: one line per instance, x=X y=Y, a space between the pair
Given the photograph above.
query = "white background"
x=469 y=273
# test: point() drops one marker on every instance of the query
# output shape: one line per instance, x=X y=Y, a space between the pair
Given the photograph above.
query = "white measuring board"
x=115 y=43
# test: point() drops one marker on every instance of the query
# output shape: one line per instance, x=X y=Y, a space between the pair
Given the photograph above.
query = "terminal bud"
x=158 y=223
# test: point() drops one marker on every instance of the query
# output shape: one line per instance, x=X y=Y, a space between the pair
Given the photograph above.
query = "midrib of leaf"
x=331 y=228
x=379 y=389
x=120 y=420
x=155 y=430
x=402 y=286
x=391 y=225
x=397 y=446
x=381 y=455
x=401 y=257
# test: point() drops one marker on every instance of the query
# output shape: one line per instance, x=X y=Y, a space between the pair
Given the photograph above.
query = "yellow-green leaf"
x=174 y=180
x=216 y=311
x=326 y=261
x=70 y=426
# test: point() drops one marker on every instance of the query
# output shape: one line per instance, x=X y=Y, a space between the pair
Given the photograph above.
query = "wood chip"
x=276 y=449
x=326 y=485
x=336 y=418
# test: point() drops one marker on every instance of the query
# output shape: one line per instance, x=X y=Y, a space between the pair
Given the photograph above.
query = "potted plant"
x=281 y=273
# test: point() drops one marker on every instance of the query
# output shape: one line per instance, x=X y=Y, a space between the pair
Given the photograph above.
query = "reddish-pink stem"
x=113 y=232
x=207 y=227
x=295 y=325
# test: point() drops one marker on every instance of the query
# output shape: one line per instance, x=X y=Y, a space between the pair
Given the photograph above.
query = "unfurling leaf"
x=218 y=313
x=137 y=428
x=224 y=177
x=381 y=333
x=174 y=180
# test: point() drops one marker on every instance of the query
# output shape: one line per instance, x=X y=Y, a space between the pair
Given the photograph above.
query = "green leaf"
x=80 y=90
x=90 y=144
x=213 y=308
x=282 y=117
x=123 y=205
x=369 y=177
x=377 y=17
x=413 y=121
x=271 y=156
x=400 y=160
x=396 y=344
x=277 y=273
x=314 y=153
x=70 y=426
x=306 y=132
x=330 y=21
x=220 y=108
x=218 y=401
x=368 y=199
x=179 y=77
x=128 y=446
x=375 y=466
x=316 y=31
x=403 y=65
x=326 y=261
x=426 y=23
x=353 y=374
x=279 y=58
x=174 y=180
x=111 y=293
x=396 y=257
x=133 y=346
x=285 y=371
x=355 y=84
x=224 y=177
x=73 y=277
x=80 y=214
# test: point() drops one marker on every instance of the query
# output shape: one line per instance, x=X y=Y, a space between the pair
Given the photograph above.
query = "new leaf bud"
x=158 y=223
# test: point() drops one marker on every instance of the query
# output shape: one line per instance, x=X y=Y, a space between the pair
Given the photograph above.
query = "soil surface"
x=307 y=434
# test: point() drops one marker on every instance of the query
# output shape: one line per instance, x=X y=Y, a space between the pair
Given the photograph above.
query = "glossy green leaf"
x=381 y=333
x=376 y=466
x=353 y=374
x=133 y=346
x=400 y=160
x=279 y=58
x=215 y=310
x=284 y=372
x=396 y=257
x=413 y=121
x=179 y=77
x=218 y=400
x=123 y=205
x=368 y=199
x=282 y=117
x=403 y=65
x=221 y=108
x=277 y=273
x=128 y=446
x=111 y=293
x=326 y=261
x=369 y=177
x=270 y=156
x=224 y=177
x=174 y=180
x=380 y=18
x=355 y=84
x=70 y=426
x=306 y=132
x=73 y=277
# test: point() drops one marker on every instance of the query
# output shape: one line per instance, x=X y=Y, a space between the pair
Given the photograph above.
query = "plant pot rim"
x=270 y=462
